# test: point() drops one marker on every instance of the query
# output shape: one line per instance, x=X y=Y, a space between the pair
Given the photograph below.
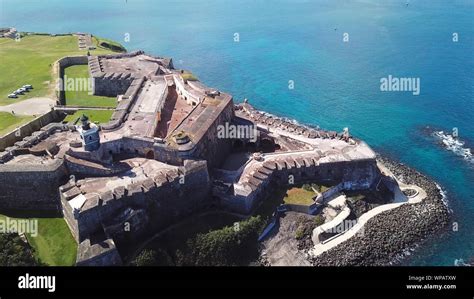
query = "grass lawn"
x=188 y=76
x=95 y=116
x=54 y=245
x=299 y=196
x=30 y=60
x=108 y=44
x=9 y=122
x=83 y=98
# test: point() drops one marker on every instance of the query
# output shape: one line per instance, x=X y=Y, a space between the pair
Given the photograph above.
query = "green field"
x=8 y=122
x=54 y=245
x=95 y=116
x=83 y=98
x=108 y=44
x=299 y=196
x=30 y=61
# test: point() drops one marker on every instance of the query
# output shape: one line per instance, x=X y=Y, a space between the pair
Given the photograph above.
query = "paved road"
x=33 y=106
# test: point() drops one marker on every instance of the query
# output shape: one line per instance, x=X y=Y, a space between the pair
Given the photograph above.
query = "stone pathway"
x=84 y=41
x=400 y=199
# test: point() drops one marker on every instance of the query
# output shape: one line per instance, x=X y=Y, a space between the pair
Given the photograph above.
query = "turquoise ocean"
x=256 y=49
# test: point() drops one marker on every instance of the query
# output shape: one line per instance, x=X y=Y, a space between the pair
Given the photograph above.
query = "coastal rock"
x=388 y=235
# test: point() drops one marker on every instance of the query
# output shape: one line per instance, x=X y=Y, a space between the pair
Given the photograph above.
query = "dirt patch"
x=281 y=247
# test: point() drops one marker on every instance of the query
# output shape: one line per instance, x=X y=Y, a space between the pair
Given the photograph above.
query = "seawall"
x=389 y=234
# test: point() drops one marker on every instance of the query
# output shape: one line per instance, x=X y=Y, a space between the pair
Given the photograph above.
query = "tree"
x=145 y=258
x=236 y=245
x=15 y=252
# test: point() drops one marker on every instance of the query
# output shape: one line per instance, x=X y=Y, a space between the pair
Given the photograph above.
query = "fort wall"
x=124 y=106
x=191 y=98
x=355 y=175
x=112 y=84
x=108 y=83
x=103 y=253
x=212 y=148
x=147 y=205
x=59 y=67
x=27 y=129
x=31 y=187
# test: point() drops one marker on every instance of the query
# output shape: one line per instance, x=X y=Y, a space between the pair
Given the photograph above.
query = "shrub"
x=145 y=258
x=226 y=246
x=319 y=220
x=150 y=257
x=299 y=233
x=14 y=252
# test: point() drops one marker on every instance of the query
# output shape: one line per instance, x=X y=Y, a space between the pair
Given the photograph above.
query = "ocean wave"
x=444 y=197
x=455 y=145
x=460 y=263
x=405 y=253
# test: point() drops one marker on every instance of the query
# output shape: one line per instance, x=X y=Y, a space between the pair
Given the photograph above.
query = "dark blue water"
x=336 y=84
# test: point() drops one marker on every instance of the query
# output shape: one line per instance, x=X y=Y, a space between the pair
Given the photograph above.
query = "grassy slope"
x=96 y=116
x=54 y=245
x=83 y=98
x=30 y=61
x=118 y=47
x=8 y=122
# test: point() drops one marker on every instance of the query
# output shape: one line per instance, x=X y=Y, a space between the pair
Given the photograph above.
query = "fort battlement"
x=159 y=157
x=247 y=111
x=92 y=204
x=123 y=108
x=255 y=179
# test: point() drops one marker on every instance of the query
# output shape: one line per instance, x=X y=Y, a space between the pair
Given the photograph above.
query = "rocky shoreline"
x=388 y=235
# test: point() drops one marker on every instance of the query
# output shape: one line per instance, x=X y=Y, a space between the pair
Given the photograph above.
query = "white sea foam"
x=444 y=196
x=460 y=262
x=404 y=254
x=455 y=145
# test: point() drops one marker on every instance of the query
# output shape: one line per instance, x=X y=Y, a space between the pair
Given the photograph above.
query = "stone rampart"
x=124 y=106
x=112 y=84
x=210 y=147
x=108 y=83
x=31 y=187
x=27 y=129
x=355 y=175
x=191 y=97
x=102 y=253
x=149 y=204
x=59 y=67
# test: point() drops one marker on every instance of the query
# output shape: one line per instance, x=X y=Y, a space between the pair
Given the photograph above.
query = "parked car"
x=18 y=91
x=28 y=86
x=12 y=96
x=24 y=89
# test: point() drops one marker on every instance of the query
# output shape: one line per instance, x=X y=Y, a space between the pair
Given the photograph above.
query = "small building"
x=89 y=134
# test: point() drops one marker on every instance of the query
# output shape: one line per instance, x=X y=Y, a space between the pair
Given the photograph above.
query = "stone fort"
x=160 y=157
